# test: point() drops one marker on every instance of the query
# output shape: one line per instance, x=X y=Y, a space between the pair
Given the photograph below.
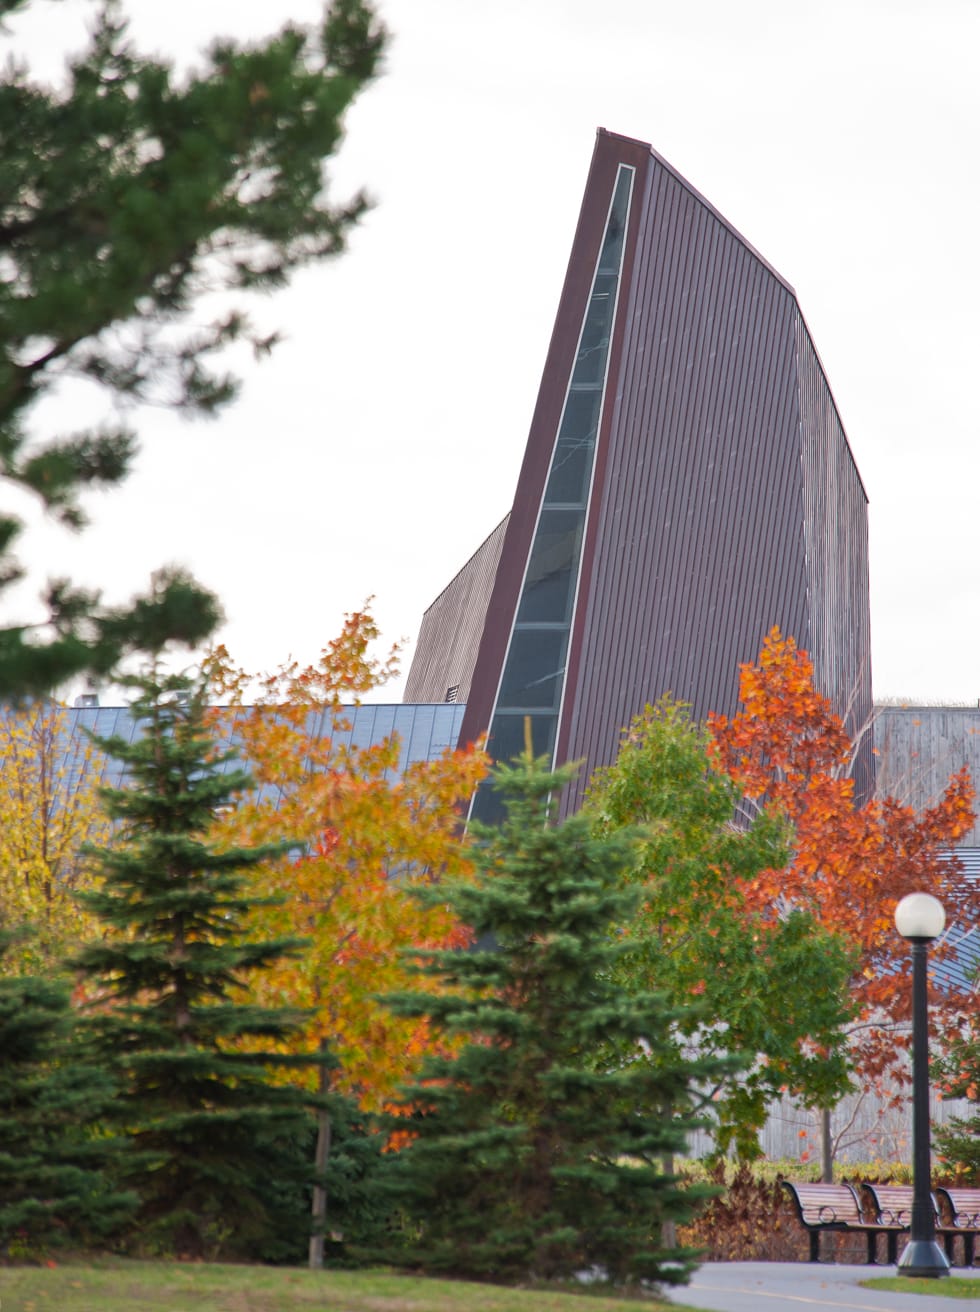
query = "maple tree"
x=366 y=834
x=788 y=750
x=699 y=936
x=49 y=808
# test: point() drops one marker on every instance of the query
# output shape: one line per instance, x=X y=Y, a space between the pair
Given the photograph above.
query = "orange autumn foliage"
x=787 y=748
x=365 y=835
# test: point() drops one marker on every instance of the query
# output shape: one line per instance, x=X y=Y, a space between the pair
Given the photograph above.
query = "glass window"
x=547 y=596
x=507 y=738
x=571 y=467
x=534 y=672
x=535 y=666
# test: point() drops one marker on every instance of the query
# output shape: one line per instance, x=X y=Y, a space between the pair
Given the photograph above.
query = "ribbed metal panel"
x=698 y=549
x=725 y=500
x=917 y=748
x=424 y=732
x=962 y=967
x=835 y=530
x=452 y=627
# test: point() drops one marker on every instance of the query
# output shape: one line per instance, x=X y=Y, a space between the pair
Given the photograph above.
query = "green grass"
x=122 y=1286
x=950 y=1287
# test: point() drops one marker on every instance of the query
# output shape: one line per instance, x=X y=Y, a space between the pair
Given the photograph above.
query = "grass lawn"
x=118 y=1286
x=949 y=1287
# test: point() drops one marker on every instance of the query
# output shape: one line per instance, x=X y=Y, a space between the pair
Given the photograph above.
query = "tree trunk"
x=320 y=1160
x=826 y=1147
x=668 y=1229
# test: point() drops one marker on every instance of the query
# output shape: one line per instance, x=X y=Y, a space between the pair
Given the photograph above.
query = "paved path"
x=805 y=1287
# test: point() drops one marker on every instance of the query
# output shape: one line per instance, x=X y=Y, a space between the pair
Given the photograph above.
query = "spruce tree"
x=958 y=1067
x=128 y=193
x=200 y=1116
x=52 y=1187
x=539 y=1145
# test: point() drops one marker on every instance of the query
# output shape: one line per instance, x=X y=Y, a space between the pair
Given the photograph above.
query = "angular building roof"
x=687 y=484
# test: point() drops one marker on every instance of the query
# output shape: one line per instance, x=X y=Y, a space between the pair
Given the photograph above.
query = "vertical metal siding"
x=836 y=533
x=425 y=732
x=917 y=749
x=452 y=628
x=725 y=497
x=698 y=548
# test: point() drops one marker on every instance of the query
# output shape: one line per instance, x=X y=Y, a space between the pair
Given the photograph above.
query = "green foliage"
x=358 y=1215
x=540 y=1141
x=52 y=1189
x=127 y=194
x=697 y=938
x=958 y=1069
x=203 y=1124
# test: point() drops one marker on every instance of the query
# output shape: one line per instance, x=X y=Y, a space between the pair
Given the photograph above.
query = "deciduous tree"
x=369 y=834
x=127 y=193
x=538 y=1147
x=699 y=932
x=787 y=749
x=49 y=808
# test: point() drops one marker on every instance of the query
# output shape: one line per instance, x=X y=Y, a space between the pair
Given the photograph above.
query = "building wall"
x=917 y=748
x=452 y=628
x=697 y=550
x=724 y=500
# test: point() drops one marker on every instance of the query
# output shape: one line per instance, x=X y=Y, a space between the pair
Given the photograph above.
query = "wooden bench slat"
x=894 y=1202
x=837 y=1208
x=964 y=1217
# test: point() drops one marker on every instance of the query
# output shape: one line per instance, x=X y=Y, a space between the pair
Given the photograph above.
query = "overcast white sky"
x=382 y=442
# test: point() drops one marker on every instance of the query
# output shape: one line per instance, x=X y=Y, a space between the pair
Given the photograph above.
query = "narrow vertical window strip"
x=532 y=681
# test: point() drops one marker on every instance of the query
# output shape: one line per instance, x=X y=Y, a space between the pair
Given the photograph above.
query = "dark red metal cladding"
x=544 y=427
x=725 y=497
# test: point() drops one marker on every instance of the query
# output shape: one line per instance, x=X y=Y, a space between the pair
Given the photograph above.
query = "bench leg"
x=814 y=1245
x=891 y=1239
x=872 y=1248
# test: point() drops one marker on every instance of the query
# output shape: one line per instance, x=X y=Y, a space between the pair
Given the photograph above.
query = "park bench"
x=894 y=1203
x=836 y=1208
x=964 y=1217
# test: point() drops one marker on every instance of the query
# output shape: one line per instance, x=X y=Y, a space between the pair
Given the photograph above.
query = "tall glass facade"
x=533 y=678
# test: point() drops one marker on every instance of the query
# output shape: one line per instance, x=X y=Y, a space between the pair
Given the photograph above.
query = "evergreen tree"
x=126 y=194
x=538 y=1146
x=200 y=1114
x=958 y=1141
x=52 y=1189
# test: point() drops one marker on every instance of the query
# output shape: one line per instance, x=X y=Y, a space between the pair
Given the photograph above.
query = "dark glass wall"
x=532 y=680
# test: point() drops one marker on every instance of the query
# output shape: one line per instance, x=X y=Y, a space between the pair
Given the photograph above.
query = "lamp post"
x=920 y=918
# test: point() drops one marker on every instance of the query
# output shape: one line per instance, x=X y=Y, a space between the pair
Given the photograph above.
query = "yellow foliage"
x=49 y=808
x=364 y=838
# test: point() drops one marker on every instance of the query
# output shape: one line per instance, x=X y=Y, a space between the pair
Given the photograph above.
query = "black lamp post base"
x=923 y=1257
